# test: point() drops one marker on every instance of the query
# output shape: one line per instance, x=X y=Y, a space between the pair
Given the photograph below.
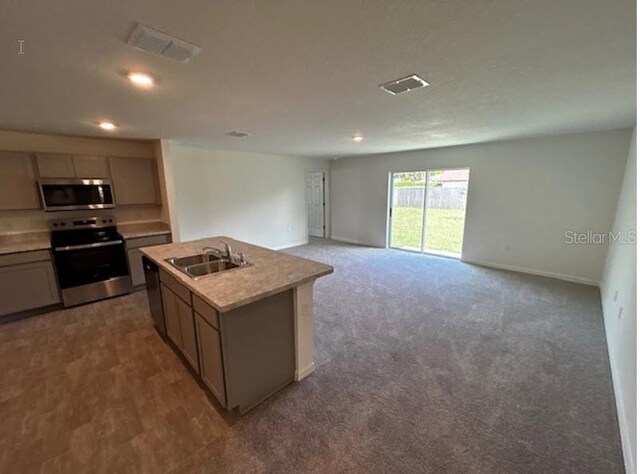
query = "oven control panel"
x=82 y=223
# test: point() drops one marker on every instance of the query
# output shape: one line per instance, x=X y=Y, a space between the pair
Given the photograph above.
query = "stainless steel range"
x=90 y=259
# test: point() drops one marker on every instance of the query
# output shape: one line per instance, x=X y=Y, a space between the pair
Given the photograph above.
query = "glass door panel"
x=445 y=211
x=407 y=210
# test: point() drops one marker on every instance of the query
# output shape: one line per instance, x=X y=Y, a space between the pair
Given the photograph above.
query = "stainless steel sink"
x=208 y=268
x=203 y=264
x=184 y=262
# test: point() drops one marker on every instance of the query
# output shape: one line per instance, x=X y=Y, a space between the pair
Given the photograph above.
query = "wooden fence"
x=439 y=197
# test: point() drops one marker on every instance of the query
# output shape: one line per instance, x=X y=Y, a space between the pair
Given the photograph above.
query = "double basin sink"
x=202 y=264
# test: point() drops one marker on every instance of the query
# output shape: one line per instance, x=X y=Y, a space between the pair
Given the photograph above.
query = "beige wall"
x=37 y=220
x=619 y=300
x=523 y=196
x=254 y=197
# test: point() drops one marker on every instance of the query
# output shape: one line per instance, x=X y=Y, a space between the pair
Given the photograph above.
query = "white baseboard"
x=627 y=449
x=354 y=241
x=623 y=425
x=305 y=371
x=530 y=271
x=290 y=245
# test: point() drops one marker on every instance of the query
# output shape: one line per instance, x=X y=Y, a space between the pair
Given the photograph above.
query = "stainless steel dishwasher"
x=152 y=278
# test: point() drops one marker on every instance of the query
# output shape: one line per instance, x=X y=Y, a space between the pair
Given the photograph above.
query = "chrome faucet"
x=227 y=249
x=212 y=250
x=226 y=253
x=238 y=259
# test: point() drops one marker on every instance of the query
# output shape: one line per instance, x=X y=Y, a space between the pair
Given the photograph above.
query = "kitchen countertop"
x=24 y=242
x=143 y=229
x=270 y=272
x=41 y=240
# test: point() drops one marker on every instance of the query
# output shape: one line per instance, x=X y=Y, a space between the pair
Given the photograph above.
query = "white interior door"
x=315 y=202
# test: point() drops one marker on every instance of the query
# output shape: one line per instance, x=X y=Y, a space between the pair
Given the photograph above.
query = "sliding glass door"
x=407 y=210
x=427 y=210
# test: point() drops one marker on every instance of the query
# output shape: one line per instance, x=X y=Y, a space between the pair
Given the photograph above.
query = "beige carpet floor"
x=425 y=364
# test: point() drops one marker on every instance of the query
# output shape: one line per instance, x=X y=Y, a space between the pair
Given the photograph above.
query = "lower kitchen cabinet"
x=28 y=281
x=171 y=315
x=178 y=318
x=134 y=255
x=258 y=348
x=136 y=269
x=242 y=355
x=187 y=327
x=210 y=348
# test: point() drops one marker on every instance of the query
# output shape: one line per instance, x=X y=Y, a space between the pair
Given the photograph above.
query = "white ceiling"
x=302 y=76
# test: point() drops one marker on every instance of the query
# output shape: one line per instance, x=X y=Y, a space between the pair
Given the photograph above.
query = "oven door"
x=78 y=265
x=71 y=194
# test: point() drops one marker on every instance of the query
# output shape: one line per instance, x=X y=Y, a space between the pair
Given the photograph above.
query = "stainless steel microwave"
x=72 y=194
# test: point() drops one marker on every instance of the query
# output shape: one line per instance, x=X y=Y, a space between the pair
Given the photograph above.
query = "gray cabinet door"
x=136 y=269
x=27 y=286
x=55 y=165
x=135 y=180
x=91 y=166
x=189 y=344
x=171 y=315
x=18 y=188
x=210 y=349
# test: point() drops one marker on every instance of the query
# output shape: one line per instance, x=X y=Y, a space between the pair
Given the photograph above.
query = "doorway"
x=427 y=210
x=315 y=203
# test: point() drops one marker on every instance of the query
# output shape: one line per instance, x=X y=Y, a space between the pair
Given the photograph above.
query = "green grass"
x=444 y=229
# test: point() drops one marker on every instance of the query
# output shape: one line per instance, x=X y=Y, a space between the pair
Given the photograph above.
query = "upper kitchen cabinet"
x=55 y=165
x=91 y=166
x=17 y=182
x=58 y=165
x=135 y=180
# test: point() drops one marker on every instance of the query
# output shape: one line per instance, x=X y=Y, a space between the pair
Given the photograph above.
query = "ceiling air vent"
x=147 y=39
x=237 y=134
x=405 y=84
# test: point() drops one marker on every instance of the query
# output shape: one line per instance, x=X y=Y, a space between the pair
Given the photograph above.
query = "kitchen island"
x=245 y=332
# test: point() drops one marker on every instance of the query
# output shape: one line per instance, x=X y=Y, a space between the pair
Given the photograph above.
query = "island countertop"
x=269 y=272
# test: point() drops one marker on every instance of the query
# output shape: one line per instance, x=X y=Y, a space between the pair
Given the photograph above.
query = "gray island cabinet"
x=246 y=332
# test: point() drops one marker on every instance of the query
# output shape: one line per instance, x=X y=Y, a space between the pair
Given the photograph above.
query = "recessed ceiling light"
x=357 y=138
x=141 y=79
x=109 y=126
